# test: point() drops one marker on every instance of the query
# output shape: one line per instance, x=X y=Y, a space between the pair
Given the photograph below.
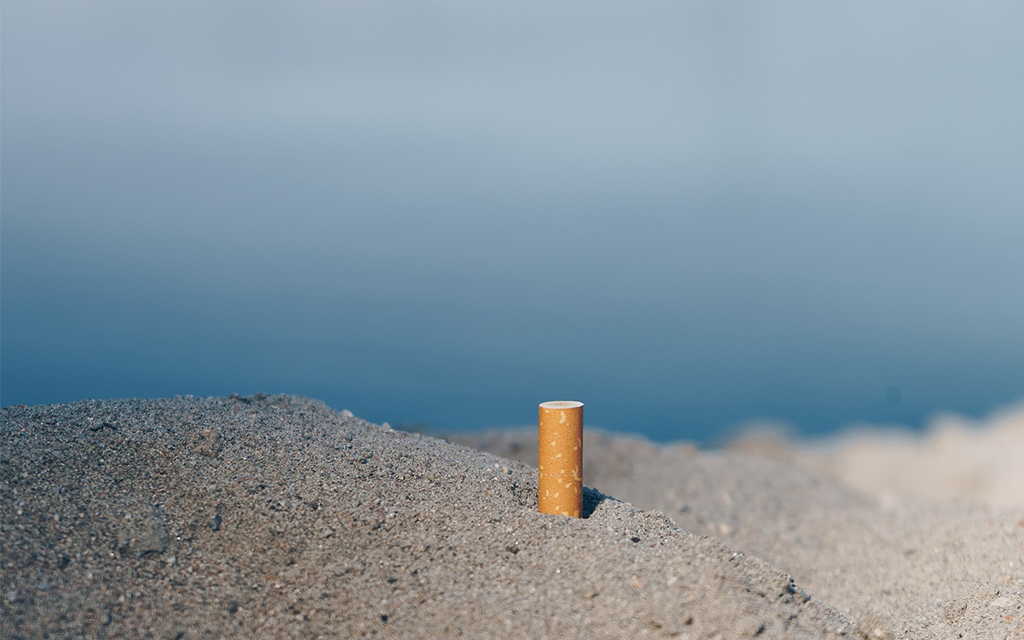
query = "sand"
x=279 y=517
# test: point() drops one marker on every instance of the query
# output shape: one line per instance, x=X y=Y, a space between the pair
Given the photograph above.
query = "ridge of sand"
x=955 y=457
x=277 y=517
x=912 y=568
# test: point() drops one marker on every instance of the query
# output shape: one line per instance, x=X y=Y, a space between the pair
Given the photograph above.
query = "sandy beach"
x=279 y=517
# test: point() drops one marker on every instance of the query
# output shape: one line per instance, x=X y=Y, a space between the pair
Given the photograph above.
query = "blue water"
x=655 y=333
x=687 y=216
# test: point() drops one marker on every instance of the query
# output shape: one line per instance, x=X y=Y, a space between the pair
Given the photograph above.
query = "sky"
x=688 y=215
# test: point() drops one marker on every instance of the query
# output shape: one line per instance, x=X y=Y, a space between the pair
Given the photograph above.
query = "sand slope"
x=274 y=517
x=909 y=568
x=978 y=461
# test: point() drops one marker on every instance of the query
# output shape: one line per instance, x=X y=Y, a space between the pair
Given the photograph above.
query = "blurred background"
x=688 y=215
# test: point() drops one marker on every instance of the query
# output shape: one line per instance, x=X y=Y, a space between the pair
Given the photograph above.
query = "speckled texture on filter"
x=560 y=459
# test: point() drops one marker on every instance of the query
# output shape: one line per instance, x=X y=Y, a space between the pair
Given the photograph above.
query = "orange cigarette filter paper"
x=560 y=458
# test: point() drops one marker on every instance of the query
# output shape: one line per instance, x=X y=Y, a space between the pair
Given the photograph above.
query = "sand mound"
x=941 y=568
x=954 y=458
x=275 y=517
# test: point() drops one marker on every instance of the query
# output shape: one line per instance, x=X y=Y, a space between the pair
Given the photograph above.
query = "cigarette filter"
x=560 y=458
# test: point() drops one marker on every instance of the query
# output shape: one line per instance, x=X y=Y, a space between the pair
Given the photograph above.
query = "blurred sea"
x=686 y=215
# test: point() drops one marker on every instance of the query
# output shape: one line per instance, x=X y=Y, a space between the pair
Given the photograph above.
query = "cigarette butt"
x=560 y=458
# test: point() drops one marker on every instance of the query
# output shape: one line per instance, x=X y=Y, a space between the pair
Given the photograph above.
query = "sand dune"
x=955 y=458
x=881 y=530
x=276 y=516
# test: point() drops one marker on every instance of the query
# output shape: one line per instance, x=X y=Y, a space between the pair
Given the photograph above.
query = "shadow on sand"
x=592 y=498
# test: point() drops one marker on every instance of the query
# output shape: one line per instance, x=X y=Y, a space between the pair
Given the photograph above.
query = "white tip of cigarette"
x=561 y=404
